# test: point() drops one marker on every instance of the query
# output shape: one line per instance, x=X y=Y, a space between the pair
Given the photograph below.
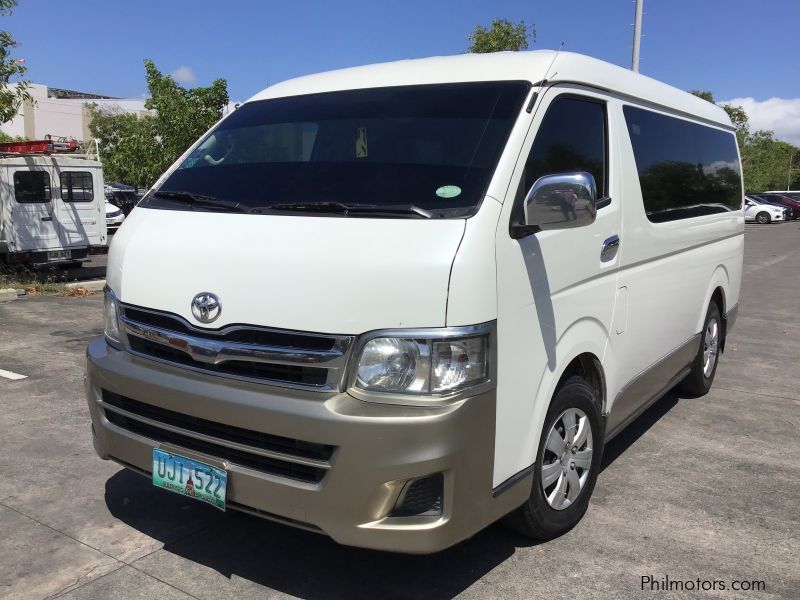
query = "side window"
x=76 y=186
x=571 y=137
x=32 y=186
x=685 y=169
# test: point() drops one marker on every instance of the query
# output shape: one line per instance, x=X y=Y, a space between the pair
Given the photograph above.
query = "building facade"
x=63 y=113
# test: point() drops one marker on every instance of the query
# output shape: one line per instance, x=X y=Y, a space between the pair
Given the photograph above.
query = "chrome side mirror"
x=561 y=201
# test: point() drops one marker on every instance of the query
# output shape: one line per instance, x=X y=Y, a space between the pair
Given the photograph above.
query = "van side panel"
x=670 y=270
x=555 y=301
x=471 y=295
x=5 y=199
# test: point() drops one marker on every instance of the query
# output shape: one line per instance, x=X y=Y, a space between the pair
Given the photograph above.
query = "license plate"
x=59 y=254
x=189 y=477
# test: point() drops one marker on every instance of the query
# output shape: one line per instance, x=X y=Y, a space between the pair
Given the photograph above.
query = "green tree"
x=705 y=95
x=737 y=115
x=136 y=150
x=766 y=161
x=12 y=95
x=4 y=137
x=182 y=115
x=128 y=146
x=502 y=35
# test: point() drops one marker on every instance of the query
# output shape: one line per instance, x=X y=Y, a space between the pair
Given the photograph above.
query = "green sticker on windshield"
x=448 y=191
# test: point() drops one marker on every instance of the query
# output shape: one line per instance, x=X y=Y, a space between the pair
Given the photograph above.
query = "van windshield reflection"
x=414 y=151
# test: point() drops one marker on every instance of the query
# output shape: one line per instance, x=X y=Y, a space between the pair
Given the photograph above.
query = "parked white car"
x=114 y=216
x=395 y=303
x=763 y=212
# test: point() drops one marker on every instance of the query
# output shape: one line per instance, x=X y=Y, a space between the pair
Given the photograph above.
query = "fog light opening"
x=420 y=497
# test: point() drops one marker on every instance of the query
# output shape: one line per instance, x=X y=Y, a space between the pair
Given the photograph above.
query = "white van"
x=395 y=303
x=52 y=207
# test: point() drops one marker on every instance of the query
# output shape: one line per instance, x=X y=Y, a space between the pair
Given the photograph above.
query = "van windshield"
x=432 y=148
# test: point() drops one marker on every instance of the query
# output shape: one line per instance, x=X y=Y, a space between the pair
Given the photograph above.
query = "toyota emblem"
x=206 y=307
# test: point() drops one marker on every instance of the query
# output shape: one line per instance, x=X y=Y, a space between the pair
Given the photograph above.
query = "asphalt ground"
x=696 y=489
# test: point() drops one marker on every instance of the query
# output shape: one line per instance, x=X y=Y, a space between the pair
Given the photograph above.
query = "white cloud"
x=781 y=115
x=184 y=75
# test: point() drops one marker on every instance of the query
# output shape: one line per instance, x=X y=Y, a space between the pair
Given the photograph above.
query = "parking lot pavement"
x=696 y=488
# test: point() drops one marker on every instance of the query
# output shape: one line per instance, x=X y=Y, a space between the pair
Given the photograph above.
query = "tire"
x=701 y=377
x=763 y=218
x=547 y=514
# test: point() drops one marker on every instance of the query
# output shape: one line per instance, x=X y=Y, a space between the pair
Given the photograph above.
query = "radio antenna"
x=547 y=73
x=543 y=82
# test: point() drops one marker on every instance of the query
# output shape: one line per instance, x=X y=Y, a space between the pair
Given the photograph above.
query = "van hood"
x=336 y=275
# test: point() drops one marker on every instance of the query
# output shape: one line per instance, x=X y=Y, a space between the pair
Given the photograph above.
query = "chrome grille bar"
x=214 y=351
x=211 y=352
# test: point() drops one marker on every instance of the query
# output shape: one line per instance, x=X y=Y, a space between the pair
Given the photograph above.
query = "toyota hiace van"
x=393 y=304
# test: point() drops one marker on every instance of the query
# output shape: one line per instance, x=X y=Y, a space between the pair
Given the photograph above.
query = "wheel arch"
x=579 y=350
x=588 y=366
x=718 y=292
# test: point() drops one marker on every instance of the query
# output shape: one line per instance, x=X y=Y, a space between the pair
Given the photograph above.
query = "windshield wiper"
x=344 y=209
x=201 y=200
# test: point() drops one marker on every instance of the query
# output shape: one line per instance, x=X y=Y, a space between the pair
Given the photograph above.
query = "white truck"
x=52 y=205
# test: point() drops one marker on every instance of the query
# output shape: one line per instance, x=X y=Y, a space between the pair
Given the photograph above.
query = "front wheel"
x=566 y=465
x=763 y=218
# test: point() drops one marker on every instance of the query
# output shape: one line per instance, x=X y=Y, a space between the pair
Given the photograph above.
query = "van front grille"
x=285 y=457
x=280 y=357
x=310 y=376
x=245 y=335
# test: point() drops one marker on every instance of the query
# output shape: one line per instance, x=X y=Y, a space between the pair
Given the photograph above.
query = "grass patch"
x=37 y=283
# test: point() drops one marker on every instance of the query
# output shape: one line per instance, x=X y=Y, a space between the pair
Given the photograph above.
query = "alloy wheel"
x=710 y=347
x=567 y=458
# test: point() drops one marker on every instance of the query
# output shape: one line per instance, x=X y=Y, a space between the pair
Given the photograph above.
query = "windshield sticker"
x=361 y=143
x=448 y=191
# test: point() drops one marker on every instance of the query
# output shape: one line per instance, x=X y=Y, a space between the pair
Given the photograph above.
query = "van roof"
x=501 y=66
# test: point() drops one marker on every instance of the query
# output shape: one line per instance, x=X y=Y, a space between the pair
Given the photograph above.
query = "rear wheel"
x=763 y=218
x=704 y=366
x=566 y=465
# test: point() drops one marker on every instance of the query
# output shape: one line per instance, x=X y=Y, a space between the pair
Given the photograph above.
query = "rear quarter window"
x=32 y=186
x=77 y=186
x=685 y=169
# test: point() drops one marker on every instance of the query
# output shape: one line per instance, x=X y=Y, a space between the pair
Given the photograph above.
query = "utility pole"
x=637 y=36
x=791 y=159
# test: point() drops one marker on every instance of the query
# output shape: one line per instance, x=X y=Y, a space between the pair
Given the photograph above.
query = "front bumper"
x=377 y=449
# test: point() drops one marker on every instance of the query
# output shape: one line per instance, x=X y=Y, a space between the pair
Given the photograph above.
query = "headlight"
x=423 y=366
x=111 y=317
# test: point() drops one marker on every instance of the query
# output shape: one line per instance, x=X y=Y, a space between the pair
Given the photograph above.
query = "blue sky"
x=736 y=48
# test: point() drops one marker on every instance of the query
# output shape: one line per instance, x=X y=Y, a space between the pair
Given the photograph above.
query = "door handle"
x=47 y=218
x=610 y=247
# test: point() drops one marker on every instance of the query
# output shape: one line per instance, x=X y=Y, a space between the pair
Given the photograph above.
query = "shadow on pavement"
x=628 y=436
x=311 y=565
x=294 y=561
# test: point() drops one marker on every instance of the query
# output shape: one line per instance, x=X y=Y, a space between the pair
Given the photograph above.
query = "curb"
x=8 y=294
x=95 y=285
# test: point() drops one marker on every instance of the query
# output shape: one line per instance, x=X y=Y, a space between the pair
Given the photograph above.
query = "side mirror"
x=560 y=201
